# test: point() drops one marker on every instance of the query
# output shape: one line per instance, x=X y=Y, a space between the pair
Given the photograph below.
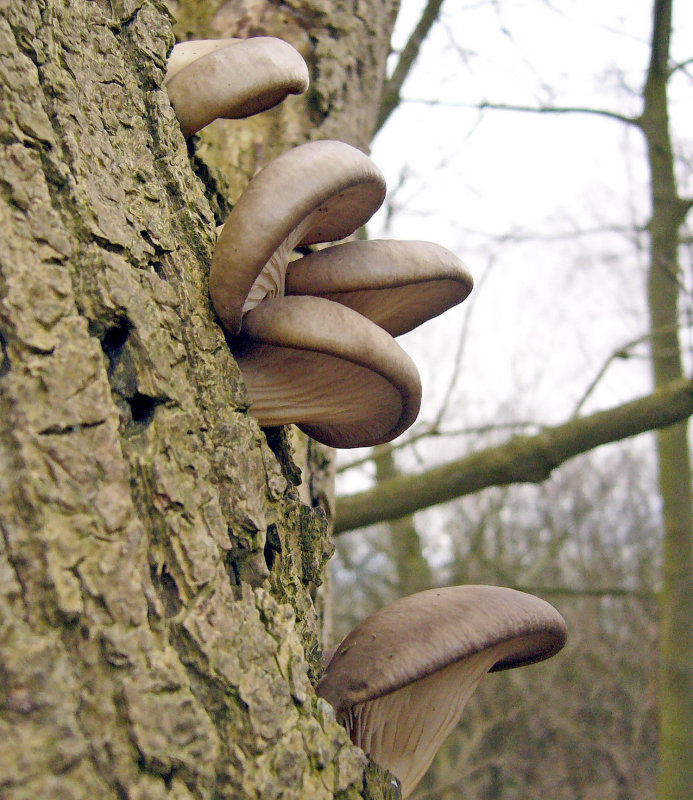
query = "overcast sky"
x=553 y=306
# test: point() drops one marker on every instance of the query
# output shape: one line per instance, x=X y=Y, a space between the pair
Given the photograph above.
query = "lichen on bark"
x=157 y=632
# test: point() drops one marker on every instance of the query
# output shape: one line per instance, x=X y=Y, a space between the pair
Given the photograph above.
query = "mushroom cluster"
x=314 y=336
x=312 y=331
x=399 y=681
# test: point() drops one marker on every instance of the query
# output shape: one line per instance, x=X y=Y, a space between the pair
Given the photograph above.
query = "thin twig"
x=485 y=105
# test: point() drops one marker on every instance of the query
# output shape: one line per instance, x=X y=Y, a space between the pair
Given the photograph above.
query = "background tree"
x=533 y=457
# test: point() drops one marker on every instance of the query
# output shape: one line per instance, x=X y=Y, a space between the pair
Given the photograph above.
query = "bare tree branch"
x=586 y=591
x=681 y=66
x=484 y=105
x=623 y=352
x=524 y=459
x=391 y=89
x=427 y=430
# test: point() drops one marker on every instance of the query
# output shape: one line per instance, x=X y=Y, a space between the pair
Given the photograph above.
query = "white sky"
x=552 y=309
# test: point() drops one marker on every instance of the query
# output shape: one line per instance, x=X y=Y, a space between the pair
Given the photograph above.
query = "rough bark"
x=524 y=459
x=157 y=631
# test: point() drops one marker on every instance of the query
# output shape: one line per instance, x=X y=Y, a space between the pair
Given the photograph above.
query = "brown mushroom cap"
x=396 y=284
x=231 y=78
x=184 y=53
x=417 y=635
x=317 y=192
x=320 y=365
x=400 y=680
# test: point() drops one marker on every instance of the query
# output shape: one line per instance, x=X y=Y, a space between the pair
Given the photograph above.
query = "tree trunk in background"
x=157 y=630
x=676 y=606
x=413 y=570
x=346 y=45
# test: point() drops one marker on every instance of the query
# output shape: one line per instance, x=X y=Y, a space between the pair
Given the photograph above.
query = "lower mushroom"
x=343 y=380
x=400 y=680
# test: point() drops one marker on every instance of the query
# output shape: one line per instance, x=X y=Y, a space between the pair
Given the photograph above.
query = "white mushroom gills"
x=401 y=733
x=271 y=280
x=321 y=366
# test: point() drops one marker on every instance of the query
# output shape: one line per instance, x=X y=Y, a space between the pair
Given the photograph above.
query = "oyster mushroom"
x=317 y=364
x=396 y=284
x=231 y=78
x=400 y=680
x=318 y=192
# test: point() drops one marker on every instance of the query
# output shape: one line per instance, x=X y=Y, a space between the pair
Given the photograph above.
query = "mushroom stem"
x=403 y=736
x=271 y=280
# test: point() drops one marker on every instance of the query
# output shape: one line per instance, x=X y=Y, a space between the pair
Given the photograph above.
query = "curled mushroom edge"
x=398 y=284
x=316 y=192
x=231 y=78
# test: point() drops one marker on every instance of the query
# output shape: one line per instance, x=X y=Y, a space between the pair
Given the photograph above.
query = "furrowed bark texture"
x=157 y=631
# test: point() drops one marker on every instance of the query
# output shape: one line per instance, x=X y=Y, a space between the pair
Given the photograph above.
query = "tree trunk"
x=675 y=779
x=157 y=630
x=412 y=570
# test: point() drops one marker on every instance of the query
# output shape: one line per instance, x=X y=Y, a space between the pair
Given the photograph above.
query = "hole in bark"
x=113 y=341
x=168 y=591
x=273 y=546
x=4 y=358
x=232 y=570
x=270 y=556
x=169 y=776
x=142 y=408
x=159 y=270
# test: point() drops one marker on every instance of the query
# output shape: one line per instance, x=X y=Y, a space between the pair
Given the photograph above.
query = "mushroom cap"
x=396 y=284
x=317 y=192
x=231 y=78
x=343 y=380
x=184 y=53
x=420 y=634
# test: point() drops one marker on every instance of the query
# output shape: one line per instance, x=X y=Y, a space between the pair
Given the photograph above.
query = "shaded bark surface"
x=345 y=44
x=158 y=635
